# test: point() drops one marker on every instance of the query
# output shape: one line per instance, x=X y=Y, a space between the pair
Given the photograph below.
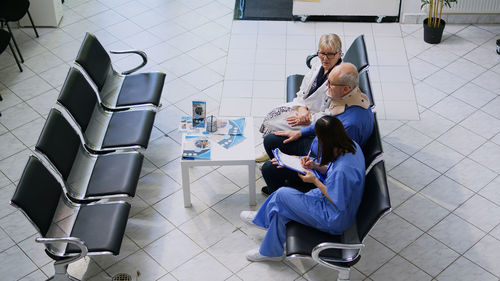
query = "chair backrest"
x=94 y=59
x=375 y=201
x=59 y=142
x=365 y=86
x=356 y=54
x=78 y=97
x=13 y=10
x=373 y=146
x=37 y=194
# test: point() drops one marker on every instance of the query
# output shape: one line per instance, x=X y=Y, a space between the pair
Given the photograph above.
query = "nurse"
x=330 y=207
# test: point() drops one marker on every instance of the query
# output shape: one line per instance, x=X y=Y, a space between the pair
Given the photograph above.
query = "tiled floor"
x=441 y=152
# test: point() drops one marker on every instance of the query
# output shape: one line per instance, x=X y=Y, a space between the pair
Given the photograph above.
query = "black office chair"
x=357 y=54
x=93 y=229
x=4 y=42
x=14 y=10
x=119 y=91
x=103 y=130
x=373 y=147
x=87 y=177
x=341 y=252
x=366 y=87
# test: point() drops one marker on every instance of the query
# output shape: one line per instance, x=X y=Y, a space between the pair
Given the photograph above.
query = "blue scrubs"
x=358 y=124
x=344 y=184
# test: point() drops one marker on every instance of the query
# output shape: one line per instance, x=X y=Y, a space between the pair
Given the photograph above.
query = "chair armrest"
x=137 y=52
x=71 y=240
x=309 y=59
x=338 y=246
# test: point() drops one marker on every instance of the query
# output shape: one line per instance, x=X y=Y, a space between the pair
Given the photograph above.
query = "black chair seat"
x=149 y=85
x=293 y=83
x=115 y=174
x=101 y=227
x=129 y=128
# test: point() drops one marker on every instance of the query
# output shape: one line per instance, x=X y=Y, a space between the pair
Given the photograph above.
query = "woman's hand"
x=275 y=162
x=299 y=119
x=308 y=177
x=307 y=163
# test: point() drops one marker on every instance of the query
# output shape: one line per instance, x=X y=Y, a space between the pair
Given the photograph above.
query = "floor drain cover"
x=122 y=277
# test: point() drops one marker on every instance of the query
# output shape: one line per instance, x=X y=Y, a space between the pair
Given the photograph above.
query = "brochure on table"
x=195 y=147
x=229 y=131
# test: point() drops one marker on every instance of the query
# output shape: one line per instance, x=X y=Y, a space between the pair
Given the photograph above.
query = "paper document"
x=289 y=161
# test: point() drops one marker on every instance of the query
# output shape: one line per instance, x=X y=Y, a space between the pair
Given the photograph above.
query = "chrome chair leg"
x=61 y=273
x=344 y=275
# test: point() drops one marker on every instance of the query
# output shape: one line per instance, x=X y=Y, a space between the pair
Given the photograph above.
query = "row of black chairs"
x=87 y=158
x=341 y=252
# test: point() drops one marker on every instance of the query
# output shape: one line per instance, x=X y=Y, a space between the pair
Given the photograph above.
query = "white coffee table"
x=241 y=154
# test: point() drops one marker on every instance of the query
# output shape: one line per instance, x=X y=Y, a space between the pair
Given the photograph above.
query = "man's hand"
x=291 y=135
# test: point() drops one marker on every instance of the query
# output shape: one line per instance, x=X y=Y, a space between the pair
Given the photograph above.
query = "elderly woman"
x=330 y=207
x=311 y=102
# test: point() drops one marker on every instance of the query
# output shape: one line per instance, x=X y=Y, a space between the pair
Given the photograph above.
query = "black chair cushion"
x=101 y=227
x=373 y=146
x=78 y=97
x=365 y=86
x=301 y=240
x=115 y=174
x=356 y=54
x=375 y=201
x=94 y=59
x=128 y=128
x=59 y=142
x=141 y=88
x=293 y=83
x=37 y=194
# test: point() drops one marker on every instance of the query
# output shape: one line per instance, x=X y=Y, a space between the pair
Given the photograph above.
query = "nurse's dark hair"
x=333 y=139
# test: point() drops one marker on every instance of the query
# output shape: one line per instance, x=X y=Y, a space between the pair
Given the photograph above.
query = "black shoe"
x=265 y=190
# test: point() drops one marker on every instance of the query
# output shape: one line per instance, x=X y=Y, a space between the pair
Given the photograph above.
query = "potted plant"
x=433 y=24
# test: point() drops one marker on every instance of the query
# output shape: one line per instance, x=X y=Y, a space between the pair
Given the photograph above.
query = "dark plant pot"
x=433 y=35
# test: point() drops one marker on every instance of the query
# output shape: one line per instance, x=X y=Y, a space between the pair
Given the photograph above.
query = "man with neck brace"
x=348 y=104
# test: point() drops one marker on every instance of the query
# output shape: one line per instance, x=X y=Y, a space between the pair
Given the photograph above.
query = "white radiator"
x=474 y=7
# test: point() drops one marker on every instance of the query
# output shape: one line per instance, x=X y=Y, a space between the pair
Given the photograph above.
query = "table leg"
x=251 y=184
x=185 y=185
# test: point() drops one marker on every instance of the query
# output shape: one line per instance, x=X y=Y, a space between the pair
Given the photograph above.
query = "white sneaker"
x=262 y=157
x=254 y=255
x=247 y=217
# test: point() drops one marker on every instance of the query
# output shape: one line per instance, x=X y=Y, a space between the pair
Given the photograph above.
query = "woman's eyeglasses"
x=327 y=55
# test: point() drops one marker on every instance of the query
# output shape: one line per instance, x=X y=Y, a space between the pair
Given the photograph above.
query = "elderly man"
x=348 y=104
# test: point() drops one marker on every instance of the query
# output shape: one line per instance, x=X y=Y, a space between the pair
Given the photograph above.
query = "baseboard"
x=454 y=18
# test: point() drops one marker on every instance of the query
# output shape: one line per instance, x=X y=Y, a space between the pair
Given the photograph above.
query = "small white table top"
x=243 y=151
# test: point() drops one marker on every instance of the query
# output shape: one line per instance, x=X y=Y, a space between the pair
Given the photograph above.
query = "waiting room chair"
x=87 y=177
x=341 y=252
x=93 y=229
x=14 y=10
x=5 y=37
x=103 y=130
x=119 y=91
x=366 y=87
x=373 y=147
x=357 y=54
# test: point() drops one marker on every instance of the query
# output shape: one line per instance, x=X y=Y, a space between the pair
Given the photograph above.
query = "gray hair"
x=330 y=41
x=349 y=77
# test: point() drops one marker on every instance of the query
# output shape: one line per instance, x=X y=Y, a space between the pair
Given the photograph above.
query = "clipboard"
x=289 y=161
